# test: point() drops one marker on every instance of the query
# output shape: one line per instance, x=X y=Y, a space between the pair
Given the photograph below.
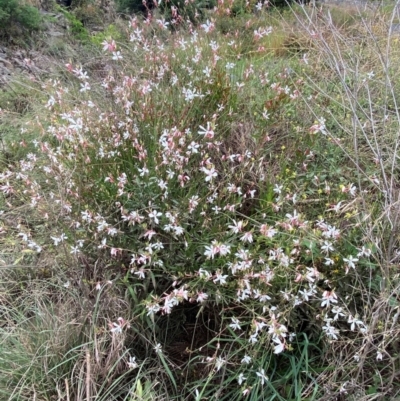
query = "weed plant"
x=209 y=219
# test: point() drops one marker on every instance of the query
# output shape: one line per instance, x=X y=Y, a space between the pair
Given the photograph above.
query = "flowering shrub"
x=176 y=181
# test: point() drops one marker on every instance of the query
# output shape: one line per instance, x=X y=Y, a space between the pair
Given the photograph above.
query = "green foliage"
x=110 y=31
x=17 y=18
x=76 y=26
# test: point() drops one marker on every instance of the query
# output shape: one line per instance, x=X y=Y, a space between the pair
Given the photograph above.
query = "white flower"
x=116 y=328
x=201 y=297
x=279 y=345
x=343 y=388
x=216 y=209
x=219 y=363
x=208 y=26
x=253 y=338
x=207 y=72
x=158 y=348
x=350 y=261
x=209 y=252
x=328 y=297
x=162 y=184
x=243 y=254
x=247 y=237
x=74 y=250
x=215 y=248
x=356 y=322
x=132 y=364
x=336 y=208
x=327 y=247
x=364 y=252
x=330 y=331
x=237 y=226
x=307 y=293
x=193 y=147
x=352 y=190
x=85 y=87
x=210 y=173
x=161 y=22
x=221 y=278
x=235 y=325
x=259 y=325
x=337 y=312
x=204 y=273
x=246 y=360
x=267 y=231
x=319 y=126
x=117 y=55
x=140 y=273
x=153 y=308
x=178 y=230
x=261 y=297
x=143 y=171
x=224 y=249
x=155 y=215
x=278 y=189
x=24 y=236
x=293 y=218
x=59 y=239
x=157 y=246
x=241 y=378
x=262 y=376
x=208 y=131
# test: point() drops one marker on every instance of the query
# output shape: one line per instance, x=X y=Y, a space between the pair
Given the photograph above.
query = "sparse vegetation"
x=206 y=213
